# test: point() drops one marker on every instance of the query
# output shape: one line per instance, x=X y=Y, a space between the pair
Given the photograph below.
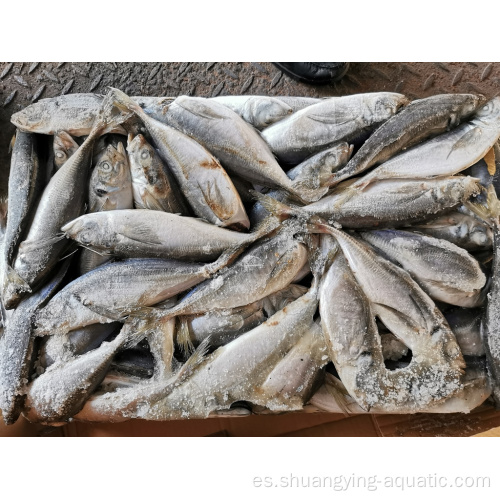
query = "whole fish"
x=73 y=113
x=154 y=186
x=445 y=271
x=446 y=154
x=150 y=233
x=328 y=122
x=200 y=176
x=61 y=391
x=490 y=326
x=317 y=170
x=267 y=266
x=466 y=325
x=347 y=317
x=385 y=203
x=117 y=286
x=16 y=348
x=110 y=188
x=64 y=147
x=259 y=111
x=26 y=182
x=462 y=229
x=62 y=200
x=215 y=126
x=418 y=121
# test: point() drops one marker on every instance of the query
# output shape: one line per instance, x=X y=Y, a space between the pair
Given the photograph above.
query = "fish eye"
x=85 y=238
x=144 y=154
x=60 y=154
x=100 y=192
x=105 y=166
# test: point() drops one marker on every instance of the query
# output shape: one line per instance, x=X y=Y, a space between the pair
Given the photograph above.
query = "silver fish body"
x=462 y=229
x=391 y=202
x=26 y=182
x=328 y=122
x=445 y=271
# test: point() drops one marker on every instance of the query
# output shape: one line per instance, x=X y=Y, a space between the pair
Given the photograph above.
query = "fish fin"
x=11 y=144
x=64 y=140
x=137 y=330
x=116 y=100
x=338 y=392
x=194 y=360
x=149 y=200
x=184 y=336
x=282 y=263
x=469 y=137
x=32 y=246
x=305 y=193
x=266 y=226
x=199 y=109
x=276 y=207
x=488 y=211
x=141 y=235
x=69 y=254
x=490 y=160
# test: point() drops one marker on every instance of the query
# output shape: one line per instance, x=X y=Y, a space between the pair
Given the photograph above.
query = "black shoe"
x=319 y=73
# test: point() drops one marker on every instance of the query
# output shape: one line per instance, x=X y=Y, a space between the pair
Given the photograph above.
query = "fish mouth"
x=19 y=119
x=134 y=143
x=72 y=228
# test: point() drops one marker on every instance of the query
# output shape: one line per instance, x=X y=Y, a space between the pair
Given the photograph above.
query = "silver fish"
x=16 y=348
x=445 y=271
x=446 y=154
x=64 y=147
x=385 y=203
x=149 y=233
x=333 y=120
x=154 y=186
x=347 y=317
x=463 y=230
x=73 y=113
x=26 y=182
x=258 y=111
x=267 y=266
x=110 y=189
x=418 y=121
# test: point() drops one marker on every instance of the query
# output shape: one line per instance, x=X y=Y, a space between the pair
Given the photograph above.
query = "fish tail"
x=275 y=207
x=134 y=331
x=269 y=224
x=184 y=336
x=338 y=392
x=301 y=189
x=13 y=284
x=194 y=360
x=11 y=143
x=488 y=211
x=119 y=100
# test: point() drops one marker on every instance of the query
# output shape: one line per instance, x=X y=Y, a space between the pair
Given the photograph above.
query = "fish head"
x=266 y=110
x=142 y=155
x=64 y=147
x=490 y=112
x=86 y=230
x=32 y=118
x=469 y=104
x=382 y=105
x=112 y=171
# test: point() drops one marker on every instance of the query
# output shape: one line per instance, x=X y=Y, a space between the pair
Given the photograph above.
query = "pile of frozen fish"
x=170 y=258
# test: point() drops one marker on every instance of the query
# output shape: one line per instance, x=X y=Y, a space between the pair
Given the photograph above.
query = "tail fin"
x=486 y=211
x=276 y=207
x=13 y=288
x=184 y=336
x=196 y=359
x=301 y=189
